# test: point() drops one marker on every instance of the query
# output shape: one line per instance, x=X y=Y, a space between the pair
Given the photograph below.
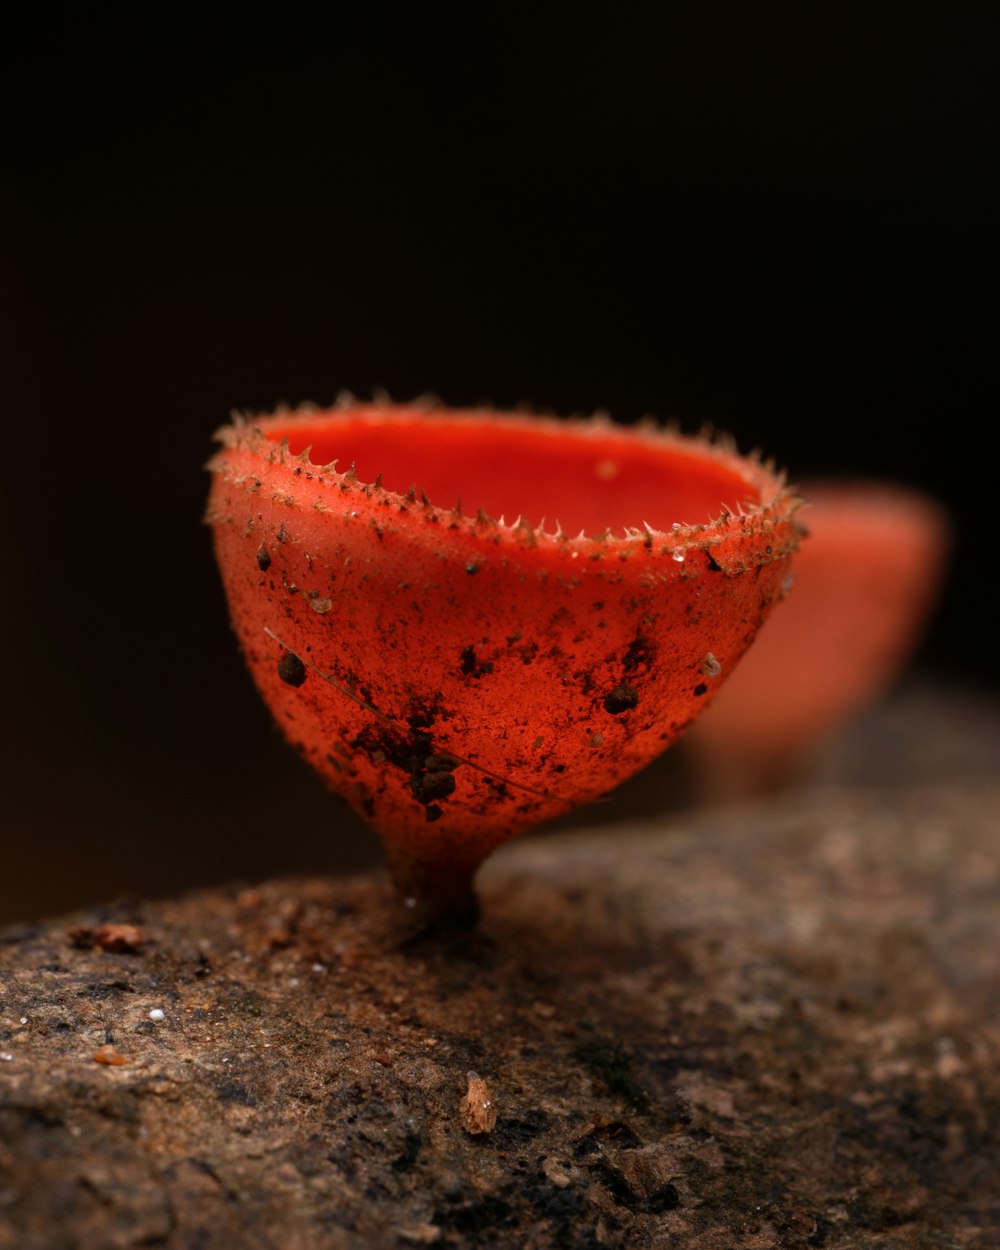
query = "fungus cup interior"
x=459 y=677
x=590 y=478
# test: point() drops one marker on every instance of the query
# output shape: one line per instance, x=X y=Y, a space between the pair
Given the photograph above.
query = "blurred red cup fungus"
x=459 y=678
x=865 y=582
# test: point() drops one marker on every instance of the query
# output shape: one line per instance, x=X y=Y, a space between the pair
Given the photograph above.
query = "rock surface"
x=773 y=1025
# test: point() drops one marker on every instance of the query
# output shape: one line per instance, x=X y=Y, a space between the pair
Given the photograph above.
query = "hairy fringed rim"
x=532 y=477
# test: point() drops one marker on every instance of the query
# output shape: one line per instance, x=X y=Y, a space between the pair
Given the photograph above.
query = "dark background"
x=781 y=223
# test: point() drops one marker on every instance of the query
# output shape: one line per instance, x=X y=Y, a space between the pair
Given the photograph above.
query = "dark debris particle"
x=701 y=689
x=472 y=569
x=639 y=656
x=263 y=559
x=622 y=699
x=429 y=786
x=429 y=771
x=472 y=667
x=422 y=717
x=291 y=669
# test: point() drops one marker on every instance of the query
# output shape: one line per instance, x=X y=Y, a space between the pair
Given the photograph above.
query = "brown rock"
x=775 y=1025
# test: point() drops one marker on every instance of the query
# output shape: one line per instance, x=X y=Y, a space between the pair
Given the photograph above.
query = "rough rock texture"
x=775 y=1025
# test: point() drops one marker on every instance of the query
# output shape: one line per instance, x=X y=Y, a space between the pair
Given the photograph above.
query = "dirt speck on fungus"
x=710 y=666
x=639 y=656
x=429 y=771
x=291 y=669
x=472 y=666
x=622 y=699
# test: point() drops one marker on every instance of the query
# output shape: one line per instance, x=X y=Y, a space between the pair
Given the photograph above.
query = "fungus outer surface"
x=453 y=710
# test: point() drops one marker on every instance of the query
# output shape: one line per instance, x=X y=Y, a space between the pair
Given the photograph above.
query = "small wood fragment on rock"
x=419 y=1234
x=479 y=1111
x=107 y=1054
x=118 y=939
x=556 y=1172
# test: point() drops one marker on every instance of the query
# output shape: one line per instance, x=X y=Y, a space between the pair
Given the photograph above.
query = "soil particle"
x=427 y=787
x=639 y=656
x=291 y=670
x=710 y=666
x=320 y=603
x=429 y=771
x=422 y=716
x=622 y=699
x=471 y=666
x=440 y=764
x=263 y=559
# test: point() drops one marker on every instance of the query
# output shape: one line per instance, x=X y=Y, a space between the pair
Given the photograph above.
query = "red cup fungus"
x=458 y=677
x=865 y=582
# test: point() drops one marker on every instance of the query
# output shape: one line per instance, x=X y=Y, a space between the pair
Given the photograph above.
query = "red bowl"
x=865 y=582
x=459 y=677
